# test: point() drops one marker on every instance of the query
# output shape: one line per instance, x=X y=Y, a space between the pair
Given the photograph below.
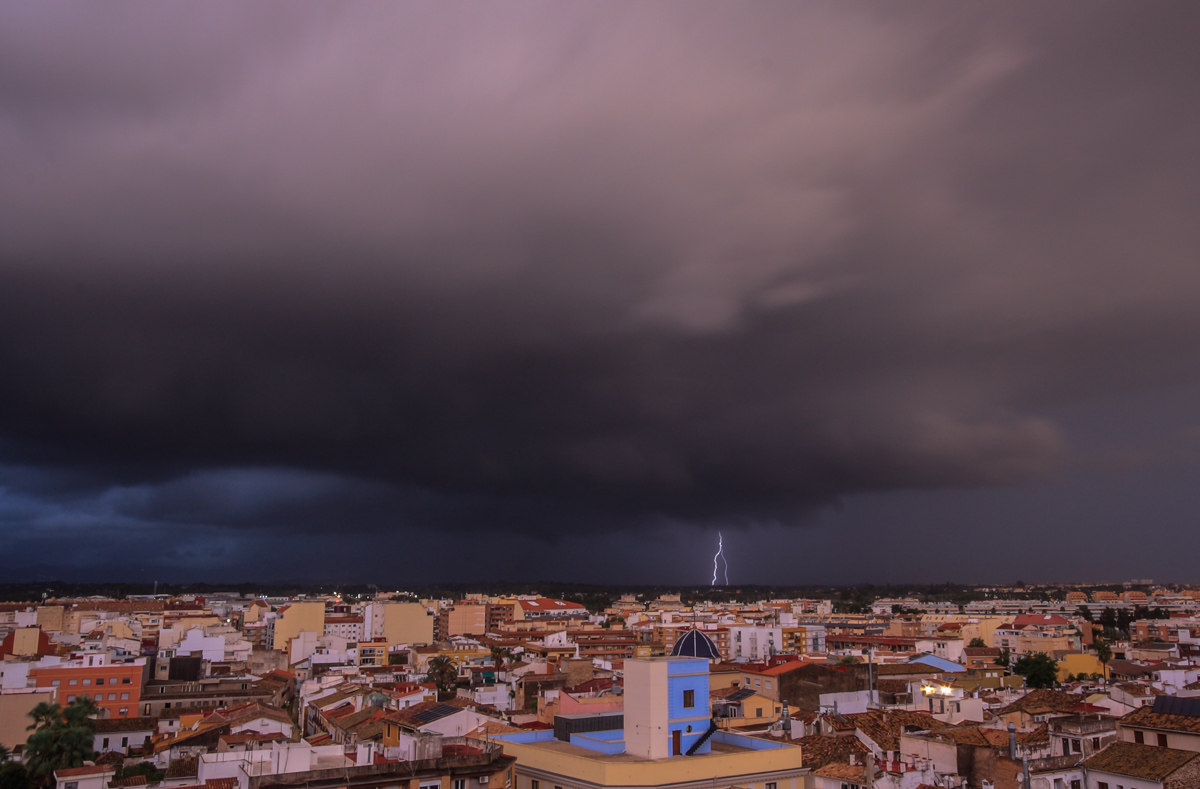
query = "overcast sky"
x=531 y=291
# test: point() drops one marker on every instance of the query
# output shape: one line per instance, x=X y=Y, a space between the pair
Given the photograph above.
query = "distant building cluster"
x=1088 y=689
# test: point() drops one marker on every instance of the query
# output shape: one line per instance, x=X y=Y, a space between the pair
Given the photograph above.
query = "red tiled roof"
x=221 y=783
x=548 y=604
x=72 y=772
x=1146 y=717
x=1139 y=761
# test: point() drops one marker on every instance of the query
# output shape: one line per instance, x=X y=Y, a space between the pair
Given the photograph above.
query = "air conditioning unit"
x=483 y=779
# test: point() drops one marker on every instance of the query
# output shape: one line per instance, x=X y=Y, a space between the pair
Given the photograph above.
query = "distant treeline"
x=595 y=596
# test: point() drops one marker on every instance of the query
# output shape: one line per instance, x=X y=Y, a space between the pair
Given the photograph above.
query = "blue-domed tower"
x=695 y=643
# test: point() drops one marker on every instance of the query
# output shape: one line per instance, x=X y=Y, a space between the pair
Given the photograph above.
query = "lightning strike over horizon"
x=720 y=554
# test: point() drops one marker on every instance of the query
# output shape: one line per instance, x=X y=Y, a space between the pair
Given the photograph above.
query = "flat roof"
x=718 y=748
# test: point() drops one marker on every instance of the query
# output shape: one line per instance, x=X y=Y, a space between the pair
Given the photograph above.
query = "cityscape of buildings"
x=1087 y=689
x=651 y=309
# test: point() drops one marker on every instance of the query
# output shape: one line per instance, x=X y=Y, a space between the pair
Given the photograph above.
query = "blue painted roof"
x=939 y=663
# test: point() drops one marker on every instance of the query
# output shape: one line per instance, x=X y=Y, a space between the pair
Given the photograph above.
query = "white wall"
x=195 y=644
x=646 y=708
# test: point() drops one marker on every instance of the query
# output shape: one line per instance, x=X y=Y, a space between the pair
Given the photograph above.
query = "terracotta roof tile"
x=819 y=750
x=1148 y=718
x=182 y=768
x=1042 y=700
x=1139 y=761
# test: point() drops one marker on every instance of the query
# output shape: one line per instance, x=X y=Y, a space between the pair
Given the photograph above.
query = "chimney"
x=1012 y=740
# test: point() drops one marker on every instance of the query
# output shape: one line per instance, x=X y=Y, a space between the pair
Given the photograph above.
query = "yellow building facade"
x=298 y=618
x=407 y=623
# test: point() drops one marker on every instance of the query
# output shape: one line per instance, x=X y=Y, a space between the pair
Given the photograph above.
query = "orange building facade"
x=116 y=689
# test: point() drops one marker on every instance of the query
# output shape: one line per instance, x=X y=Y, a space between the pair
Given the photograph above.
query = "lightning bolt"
x=720 y=554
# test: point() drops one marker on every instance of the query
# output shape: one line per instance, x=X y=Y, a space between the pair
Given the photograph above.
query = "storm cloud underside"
x=559 y=272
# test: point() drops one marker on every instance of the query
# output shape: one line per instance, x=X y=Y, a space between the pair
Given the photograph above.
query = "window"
x=124 y=697
x=534 y=785
x=87 y=682
x=71 y=785
x=758 y=712
x=124 y=711
x=73 y=682
x=460 y=783
x=112 y=697
x=1102 y=785
x=124 y=742
x=1095 y=743
x=1139 y=738
x=689 y=698
x=124 y=680
x=99 y=697
x=1162 y=740
x=70 y=699
x=1077 y=746
x=54 y=683
x=104 y=743
x=100 y=680
x=769 y=786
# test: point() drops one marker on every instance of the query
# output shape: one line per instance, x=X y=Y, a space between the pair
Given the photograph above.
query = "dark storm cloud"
x=579 y=267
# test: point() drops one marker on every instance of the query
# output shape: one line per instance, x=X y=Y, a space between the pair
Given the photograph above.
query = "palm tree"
x=43 y=714
x=1103 y=654
x=63 y=738
x=442 y=672
x=499 y=655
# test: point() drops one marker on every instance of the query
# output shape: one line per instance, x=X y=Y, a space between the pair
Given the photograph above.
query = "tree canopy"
x=62 y=737
x=1040 y=670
